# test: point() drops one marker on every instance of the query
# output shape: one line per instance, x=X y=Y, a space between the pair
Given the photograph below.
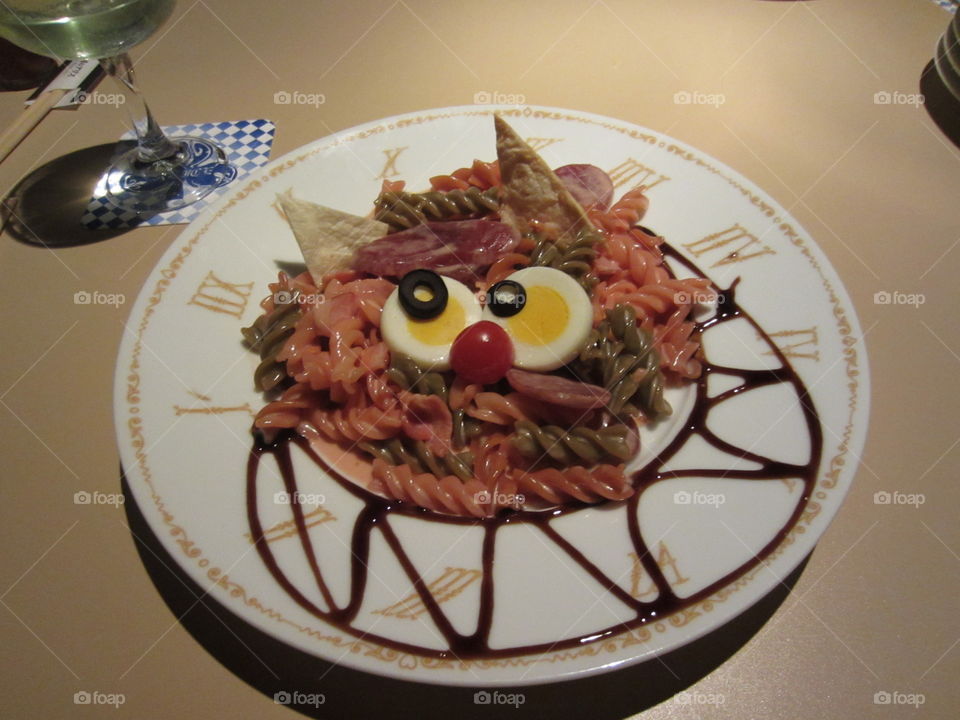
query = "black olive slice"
x=506 y=298
x=431 y=306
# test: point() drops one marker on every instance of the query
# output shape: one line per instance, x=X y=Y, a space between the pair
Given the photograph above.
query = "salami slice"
x=458 y=249
x=589 y=185
x=557 y=390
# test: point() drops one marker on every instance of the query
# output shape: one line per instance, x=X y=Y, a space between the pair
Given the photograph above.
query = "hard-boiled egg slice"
x=428 y=341
x=553 y=322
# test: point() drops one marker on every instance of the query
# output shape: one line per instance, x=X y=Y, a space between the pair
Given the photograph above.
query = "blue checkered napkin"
x=247 y=144
x=949 y=5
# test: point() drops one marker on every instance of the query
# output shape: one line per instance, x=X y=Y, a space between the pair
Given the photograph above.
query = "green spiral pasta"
x=405 y=372
x=416 y=454
x=266 y=337
x=401 y=210
x=614 y=352
x=464 y=428
x=580 y=445
x=574 y=257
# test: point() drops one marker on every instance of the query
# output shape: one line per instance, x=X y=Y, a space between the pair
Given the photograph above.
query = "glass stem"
x=152 y=144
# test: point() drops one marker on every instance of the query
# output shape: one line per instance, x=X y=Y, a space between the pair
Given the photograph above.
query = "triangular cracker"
x=327 y=237
x=532 y=192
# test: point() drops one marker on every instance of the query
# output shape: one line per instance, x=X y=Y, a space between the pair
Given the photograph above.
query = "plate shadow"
x=273 y=667
x=942 y=106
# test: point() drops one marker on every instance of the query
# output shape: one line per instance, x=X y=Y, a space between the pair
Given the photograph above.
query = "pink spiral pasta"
x=481 y=175
x=601 y=482
x=448 y=494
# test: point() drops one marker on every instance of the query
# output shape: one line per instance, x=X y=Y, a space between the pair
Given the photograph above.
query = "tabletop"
x=820 y=103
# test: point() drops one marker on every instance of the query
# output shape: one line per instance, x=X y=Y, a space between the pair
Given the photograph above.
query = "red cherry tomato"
x=482 y=353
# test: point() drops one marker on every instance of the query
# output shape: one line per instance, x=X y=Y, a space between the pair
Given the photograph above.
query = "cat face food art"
x=503 y=335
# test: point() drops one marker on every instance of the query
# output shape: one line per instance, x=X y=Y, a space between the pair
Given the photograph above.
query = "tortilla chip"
x=327 y=237
x=532 y=196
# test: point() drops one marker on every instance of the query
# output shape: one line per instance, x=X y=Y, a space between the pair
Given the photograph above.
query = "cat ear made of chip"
x=328 y=238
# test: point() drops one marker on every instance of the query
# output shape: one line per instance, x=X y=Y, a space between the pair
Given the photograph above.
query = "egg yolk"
x=441 y=330
x=543 y=318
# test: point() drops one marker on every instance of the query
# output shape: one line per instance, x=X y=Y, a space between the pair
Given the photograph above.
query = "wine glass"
x=160 y=173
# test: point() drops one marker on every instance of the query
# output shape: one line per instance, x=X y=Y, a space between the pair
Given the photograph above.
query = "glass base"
x=196 y=169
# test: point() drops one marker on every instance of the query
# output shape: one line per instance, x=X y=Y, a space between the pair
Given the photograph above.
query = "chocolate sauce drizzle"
x=377 y=512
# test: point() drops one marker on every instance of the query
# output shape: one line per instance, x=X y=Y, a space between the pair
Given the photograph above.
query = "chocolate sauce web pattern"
x=377 y=512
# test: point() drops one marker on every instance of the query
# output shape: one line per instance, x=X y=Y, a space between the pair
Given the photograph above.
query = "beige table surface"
x=876 y=608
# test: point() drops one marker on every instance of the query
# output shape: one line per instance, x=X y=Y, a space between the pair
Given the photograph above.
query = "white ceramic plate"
x=184 y=402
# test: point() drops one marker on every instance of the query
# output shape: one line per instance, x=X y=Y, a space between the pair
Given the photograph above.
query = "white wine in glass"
x=161 y=173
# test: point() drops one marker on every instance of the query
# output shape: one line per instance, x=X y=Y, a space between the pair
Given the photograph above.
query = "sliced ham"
x=427 y=418
x=557 y=390
x=458 y=249
x=589 y=185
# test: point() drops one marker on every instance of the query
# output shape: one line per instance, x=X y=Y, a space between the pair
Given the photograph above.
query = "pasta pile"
x=439 y=443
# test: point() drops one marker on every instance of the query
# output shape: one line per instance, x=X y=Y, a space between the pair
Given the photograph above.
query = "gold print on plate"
x=642 y=586
x=207 y=409
x=390 y=164
x=747 y=245
x=538 y=143
x=222 y=297
x=451 y=583
x=635 y=173
x=288 y=528
x=797 y=343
